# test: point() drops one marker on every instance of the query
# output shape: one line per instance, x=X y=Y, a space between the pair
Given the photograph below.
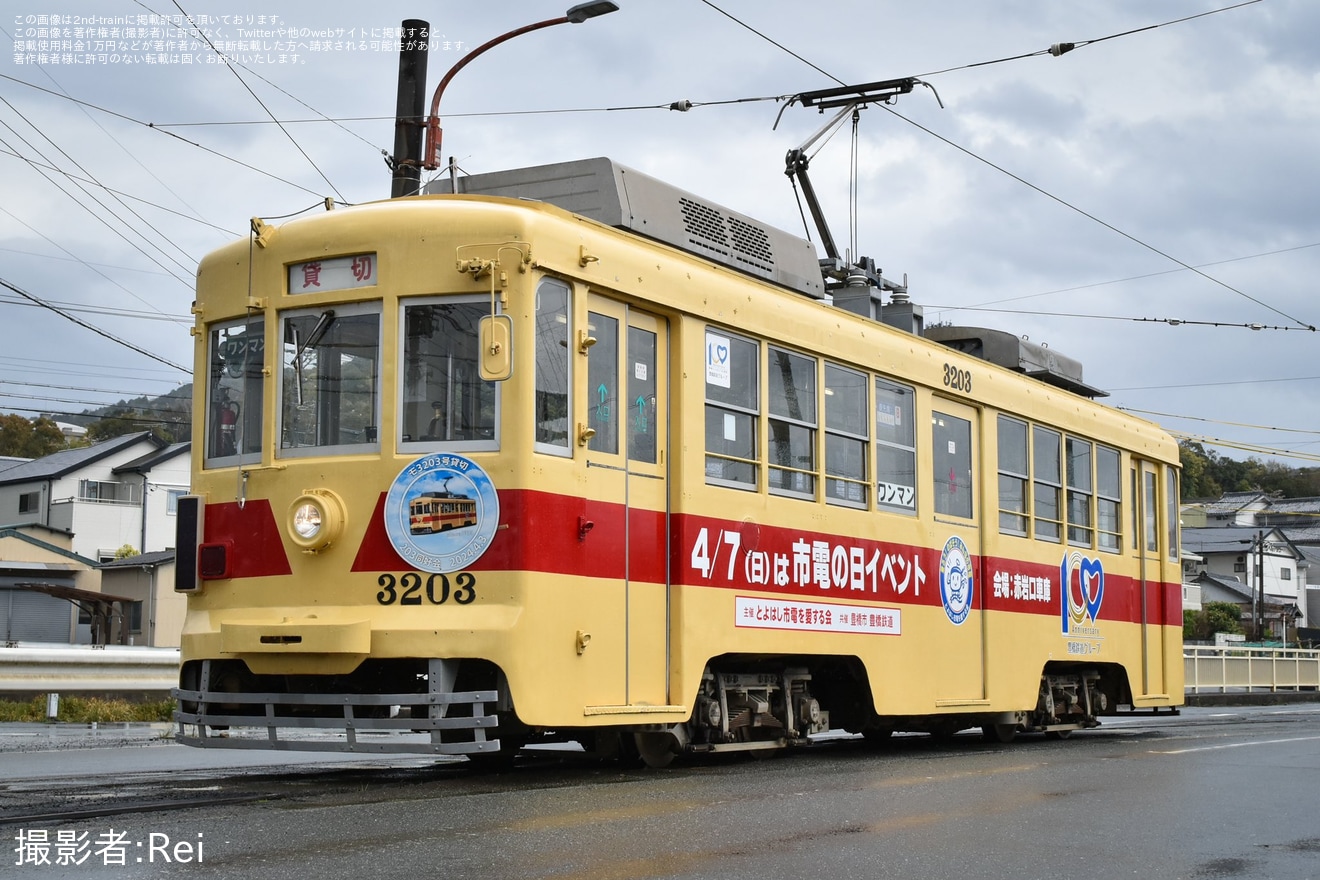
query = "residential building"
x=48 y=593
x=118 y=492
x=1241 y=565
x=154 y=616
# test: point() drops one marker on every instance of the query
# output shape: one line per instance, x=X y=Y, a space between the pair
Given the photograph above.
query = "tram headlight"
x=316 y=520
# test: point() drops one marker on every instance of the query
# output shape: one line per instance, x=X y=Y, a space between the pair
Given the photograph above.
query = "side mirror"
x=496 y=337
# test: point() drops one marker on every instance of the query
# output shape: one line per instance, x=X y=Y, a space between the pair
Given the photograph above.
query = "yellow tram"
x=718 y=500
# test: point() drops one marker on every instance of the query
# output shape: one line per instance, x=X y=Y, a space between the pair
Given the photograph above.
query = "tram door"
x=956 y=462
x=627 y=408
x=1146 y=534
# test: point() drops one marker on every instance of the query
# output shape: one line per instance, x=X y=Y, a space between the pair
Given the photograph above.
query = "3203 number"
x=958 y=380
x=409 y=588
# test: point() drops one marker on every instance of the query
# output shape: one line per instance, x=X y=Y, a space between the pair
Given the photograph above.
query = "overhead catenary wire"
x=1245 y=447
x=1055 y=50
x=165 y=132
x=1172 y=322
x=228 y=63
x=97 y=330
x=119 y=193
x=86 y=207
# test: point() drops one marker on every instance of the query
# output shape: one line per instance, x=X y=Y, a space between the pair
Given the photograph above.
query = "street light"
x=575 y=15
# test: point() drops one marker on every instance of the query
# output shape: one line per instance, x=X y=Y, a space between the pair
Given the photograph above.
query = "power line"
x=130 y=153
x=163 y=131
x=73 y=256
x=1216 y=384
x=97 y=330
x=1060 y=48
x=1074 y=289
x=1245 y=447
x=85 y=207
x=1111 y=227
x=121 y=394
x=1056 y=50
x=119 y=193
x=1172 y=322
x=80 y=415
x=1146 y=412
x=94 y=310
x=255 y=97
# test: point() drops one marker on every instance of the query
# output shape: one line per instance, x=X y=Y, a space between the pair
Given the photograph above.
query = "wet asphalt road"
x=1213 y=793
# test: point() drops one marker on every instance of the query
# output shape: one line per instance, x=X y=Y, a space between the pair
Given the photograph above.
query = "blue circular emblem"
x=441 y=512
x=957 y=586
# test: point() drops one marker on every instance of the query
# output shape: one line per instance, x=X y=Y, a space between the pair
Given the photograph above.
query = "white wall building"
x=116 y=492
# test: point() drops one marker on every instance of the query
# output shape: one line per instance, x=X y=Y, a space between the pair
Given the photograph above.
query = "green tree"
x=126 y=551
x=28 y=438
x=1196 y=479
x=1214 y=617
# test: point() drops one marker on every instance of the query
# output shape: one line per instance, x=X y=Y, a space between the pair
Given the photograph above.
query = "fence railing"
x=1221 y=670
x=29 y=667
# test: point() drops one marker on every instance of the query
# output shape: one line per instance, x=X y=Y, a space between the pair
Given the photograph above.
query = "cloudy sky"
x=1163 y=171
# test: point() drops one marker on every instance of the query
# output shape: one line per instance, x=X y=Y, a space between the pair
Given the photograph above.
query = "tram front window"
x=445 y=399
x=329 y=388
x=233 y=387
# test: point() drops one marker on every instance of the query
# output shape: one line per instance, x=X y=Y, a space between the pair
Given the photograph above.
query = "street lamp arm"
x=433 y=132
x=575 y=15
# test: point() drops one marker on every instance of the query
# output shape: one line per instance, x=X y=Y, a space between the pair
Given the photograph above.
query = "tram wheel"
x=999 y=733
x=1058 y=734
x=656 y=749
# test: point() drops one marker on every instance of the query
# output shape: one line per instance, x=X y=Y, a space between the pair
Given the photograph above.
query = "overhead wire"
x=165 y=132
x=89 y=326
x=1056 y=50
x=119 y=193
x=1147 y=412
x=206 y=39
x=132 y=155
x=1172 y=322
x=73 y=256
x=1217 y=384
x=86 y=207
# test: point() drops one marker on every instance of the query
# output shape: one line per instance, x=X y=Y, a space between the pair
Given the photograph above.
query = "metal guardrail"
x=1221 y=670
x=34 y=668
x=39 y=668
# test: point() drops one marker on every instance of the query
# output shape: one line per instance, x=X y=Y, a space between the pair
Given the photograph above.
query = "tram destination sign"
x=338 y=273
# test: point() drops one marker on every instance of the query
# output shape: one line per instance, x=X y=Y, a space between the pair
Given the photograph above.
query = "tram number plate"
x=958 y=380
x=437 y=589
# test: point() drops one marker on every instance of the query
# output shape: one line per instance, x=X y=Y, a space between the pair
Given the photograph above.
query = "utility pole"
x=409 y=124
x=1260 y=583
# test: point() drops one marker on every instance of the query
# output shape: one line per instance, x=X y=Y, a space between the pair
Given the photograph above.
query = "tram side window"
x=1152 y=509
x=1046 y=483
x=732 y=410
x=236 y=358
x=846 y=437
x=792 y=424
x=951 y=462
x=1079 y=491
x=1171 y=504
x=330 y=380
x=642 y=420
x=895 y=448
x=1013 y=476
x=1109 y=505
x=552 y=367
x=603 y=383
x=444 y=396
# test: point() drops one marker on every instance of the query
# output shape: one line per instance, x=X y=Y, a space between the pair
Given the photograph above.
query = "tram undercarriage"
x=750 y=705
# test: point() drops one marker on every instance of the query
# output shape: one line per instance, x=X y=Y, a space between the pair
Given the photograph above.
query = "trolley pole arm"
x=796 y=168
